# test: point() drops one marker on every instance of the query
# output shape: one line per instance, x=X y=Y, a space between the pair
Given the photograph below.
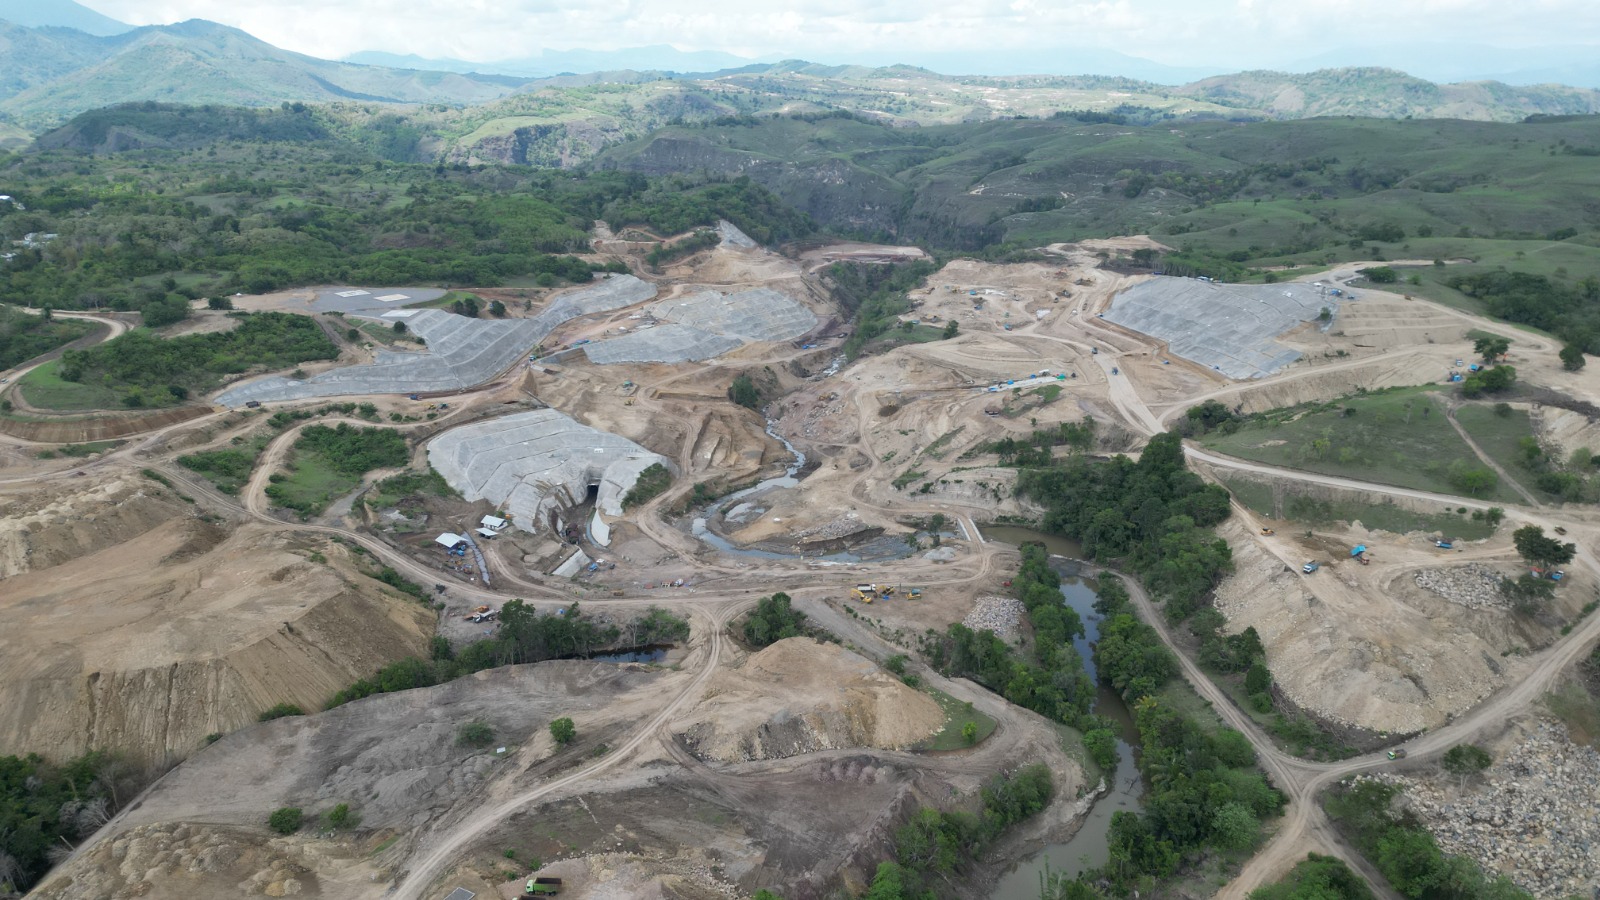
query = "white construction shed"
x=494 y=522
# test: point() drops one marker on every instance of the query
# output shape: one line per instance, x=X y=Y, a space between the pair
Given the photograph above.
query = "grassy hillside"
x=1386 y=93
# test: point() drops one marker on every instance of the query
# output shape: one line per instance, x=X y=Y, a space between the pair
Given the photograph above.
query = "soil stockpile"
x=800 y=696
x=134 y=625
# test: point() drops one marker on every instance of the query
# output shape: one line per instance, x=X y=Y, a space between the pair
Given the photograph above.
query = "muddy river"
x=1087 y=848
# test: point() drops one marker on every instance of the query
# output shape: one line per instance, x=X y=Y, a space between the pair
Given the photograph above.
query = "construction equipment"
x=1359 y=554
x=541 y=887
x=886 y=590
x=1268 y=532
x=866 y=593
x=914 y=594
x=1310 y=567
x=1444 y=545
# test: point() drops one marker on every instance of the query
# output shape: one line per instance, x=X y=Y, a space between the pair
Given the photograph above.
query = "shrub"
x=341 y=818
x=286 y=820
x=476 y=733
x=563 y=730
x=280 y=711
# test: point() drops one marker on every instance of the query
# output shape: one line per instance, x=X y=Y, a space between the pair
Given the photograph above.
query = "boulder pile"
x=1474 y=586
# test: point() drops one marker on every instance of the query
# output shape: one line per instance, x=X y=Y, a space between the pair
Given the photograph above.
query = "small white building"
x=487 y=533
x=494 y=523
x=449 y=540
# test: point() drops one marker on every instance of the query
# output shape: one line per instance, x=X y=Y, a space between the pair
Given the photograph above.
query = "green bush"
x=286 y=820
x=773 y=620
x=743 y=392
x=476 y=733
x=563 y=730
x=652 y=481
x=280 y=711
x=341 y=818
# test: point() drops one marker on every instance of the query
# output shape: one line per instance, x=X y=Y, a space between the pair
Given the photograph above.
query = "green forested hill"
x=277 y=201
x=1262 y=191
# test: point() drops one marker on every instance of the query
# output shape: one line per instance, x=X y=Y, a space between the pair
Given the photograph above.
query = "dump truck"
x=1397 y=753
x=541 y=887
x=1310 y=567
x=1445 y=545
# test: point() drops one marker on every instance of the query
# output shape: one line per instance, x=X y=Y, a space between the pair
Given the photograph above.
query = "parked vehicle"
x=1310 y=567
x=1397 y=753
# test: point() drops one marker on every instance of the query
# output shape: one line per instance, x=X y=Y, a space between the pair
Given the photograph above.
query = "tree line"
x=524 y=636
x=146 y=370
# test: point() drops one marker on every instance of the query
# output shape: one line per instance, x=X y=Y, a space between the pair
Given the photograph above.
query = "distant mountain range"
x=62 y=14
x=51 y=73
x=660 y=58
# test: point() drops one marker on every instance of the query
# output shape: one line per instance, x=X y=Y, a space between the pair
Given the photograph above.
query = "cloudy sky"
x=1228 y=34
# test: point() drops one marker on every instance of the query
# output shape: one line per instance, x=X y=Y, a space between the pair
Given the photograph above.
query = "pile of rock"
x=841 y=526
x=1001 y=615
x=1474 y=586
x=1531 y=817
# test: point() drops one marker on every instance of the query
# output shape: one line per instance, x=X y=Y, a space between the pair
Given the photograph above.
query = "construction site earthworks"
x=491 y=597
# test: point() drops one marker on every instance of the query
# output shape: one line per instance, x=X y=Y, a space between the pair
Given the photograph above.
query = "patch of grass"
x=78 y=451
x=228 y=469
x=907 y=477
x=312 y=485
x=1579 y=710
x=392 y=490
x=1256 y=496
x=956 y=716
x=45 y=388
x=937 y=448
x=1499 y=435
x=330 y=462
x=1399 y=437
x=1386 y=517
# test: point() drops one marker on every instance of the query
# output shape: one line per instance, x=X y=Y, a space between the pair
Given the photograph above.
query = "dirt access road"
x=1073 y=333
x=1305 y=827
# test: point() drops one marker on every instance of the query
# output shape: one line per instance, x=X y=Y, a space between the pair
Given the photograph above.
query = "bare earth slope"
x=132 y=624
x=800 y=696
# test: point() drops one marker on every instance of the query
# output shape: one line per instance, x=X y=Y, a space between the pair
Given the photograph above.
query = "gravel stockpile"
x=1001 y=615
x=1474 y=586
x=1531 y=816
x=841 y=526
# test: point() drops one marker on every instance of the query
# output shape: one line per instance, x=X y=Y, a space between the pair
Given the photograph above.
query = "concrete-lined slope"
x=536 y=464
x=706 y=325
x=461 y=352
x=1228 y=327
